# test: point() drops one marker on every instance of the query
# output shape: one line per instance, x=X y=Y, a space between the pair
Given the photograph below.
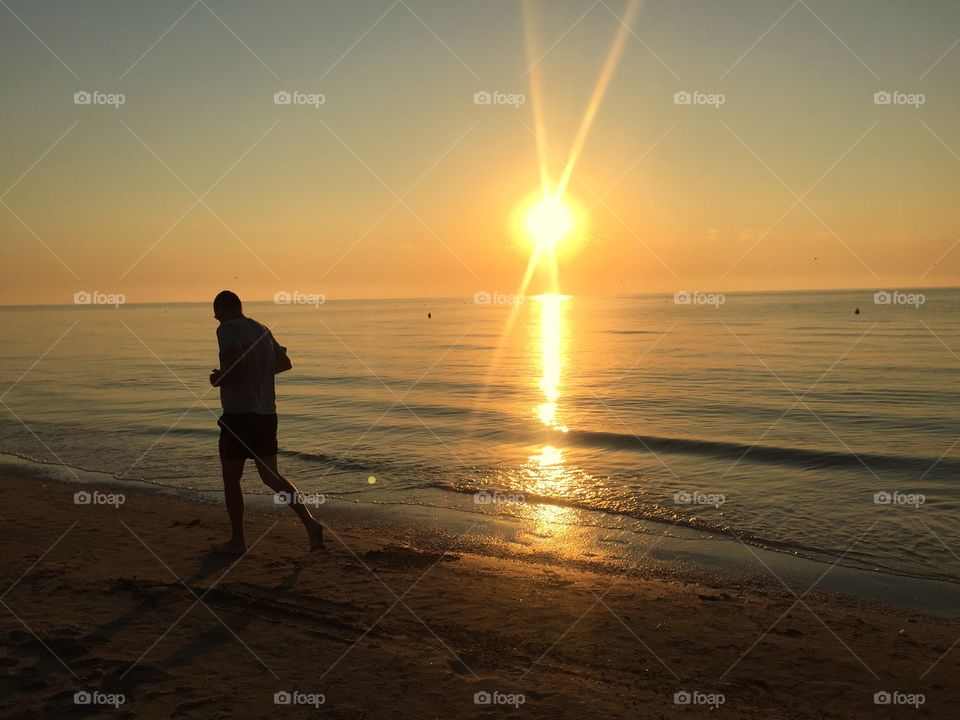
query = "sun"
x=548 y=222
x=552 y=225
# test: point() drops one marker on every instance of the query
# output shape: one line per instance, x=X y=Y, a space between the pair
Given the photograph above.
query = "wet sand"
x=128 y=602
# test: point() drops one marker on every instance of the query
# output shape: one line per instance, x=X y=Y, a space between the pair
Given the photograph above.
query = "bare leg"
x=270 y=474
x=233 y=497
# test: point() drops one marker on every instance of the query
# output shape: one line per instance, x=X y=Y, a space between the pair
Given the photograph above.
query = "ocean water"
x=783 y=420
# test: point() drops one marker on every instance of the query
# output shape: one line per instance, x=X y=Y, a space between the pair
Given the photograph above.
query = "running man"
x=249 y=359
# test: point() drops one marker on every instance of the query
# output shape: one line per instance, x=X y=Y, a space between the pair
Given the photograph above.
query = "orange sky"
x=399 y=184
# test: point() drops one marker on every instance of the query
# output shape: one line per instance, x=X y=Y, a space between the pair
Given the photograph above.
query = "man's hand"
x=282 y=363
x=215 y=377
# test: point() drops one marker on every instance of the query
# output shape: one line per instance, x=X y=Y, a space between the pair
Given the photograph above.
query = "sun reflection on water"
x=552 y=357
x=547 y=475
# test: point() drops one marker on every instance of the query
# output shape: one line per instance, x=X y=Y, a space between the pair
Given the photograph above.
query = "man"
x=249 y=358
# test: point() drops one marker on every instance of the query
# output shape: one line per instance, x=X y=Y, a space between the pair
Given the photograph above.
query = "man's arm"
x=281 y=361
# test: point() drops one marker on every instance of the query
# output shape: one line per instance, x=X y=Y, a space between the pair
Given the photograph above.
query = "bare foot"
x=231 y=547
x=315 y=533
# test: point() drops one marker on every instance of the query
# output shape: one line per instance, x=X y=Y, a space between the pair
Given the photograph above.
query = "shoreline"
x=670 y=551
x=383 y=628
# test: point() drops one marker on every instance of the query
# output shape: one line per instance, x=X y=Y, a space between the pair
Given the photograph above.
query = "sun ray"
x=540 y=128
x=599 y=90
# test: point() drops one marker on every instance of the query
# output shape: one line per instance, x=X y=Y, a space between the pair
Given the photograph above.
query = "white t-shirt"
x=250 y=388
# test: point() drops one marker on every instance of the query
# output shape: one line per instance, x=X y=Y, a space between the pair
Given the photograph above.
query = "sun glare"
x=548 y=222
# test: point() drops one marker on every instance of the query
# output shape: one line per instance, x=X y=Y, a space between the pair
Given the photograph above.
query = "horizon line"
x=871 y=288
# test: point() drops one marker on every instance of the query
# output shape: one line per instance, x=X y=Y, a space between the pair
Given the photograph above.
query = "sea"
x=821 y=426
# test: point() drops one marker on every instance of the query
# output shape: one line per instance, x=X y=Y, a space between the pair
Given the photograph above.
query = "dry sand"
x=129 y=601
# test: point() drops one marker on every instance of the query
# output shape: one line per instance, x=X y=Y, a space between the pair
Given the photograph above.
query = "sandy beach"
x=126 y=603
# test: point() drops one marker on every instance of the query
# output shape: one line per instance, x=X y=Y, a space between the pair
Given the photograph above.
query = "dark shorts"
x=247 y=435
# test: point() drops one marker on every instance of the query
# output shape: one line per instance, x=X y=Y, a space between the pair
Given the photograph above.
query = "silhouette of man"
x=249 y=359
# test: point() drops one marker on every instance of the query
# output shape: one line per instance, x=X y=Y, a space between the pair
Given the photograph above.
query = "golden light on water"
x=550 y=478
x=549 y=457
x=552 y=358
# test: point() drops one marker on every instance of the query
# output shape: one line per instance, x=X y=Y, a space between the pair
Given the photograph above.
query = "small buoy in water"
x=857 y=311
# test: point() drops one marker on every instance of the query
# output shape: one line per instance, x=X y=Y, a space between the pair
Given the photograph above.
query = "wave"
x=654 y=513
x=794 y=457
x=782 y=455
x=333 y=462
x=24 y=465
x=345 y=464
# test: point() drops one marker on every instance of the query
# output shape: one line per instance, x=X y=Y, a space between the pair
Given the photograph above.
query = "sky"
x=783 y=172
